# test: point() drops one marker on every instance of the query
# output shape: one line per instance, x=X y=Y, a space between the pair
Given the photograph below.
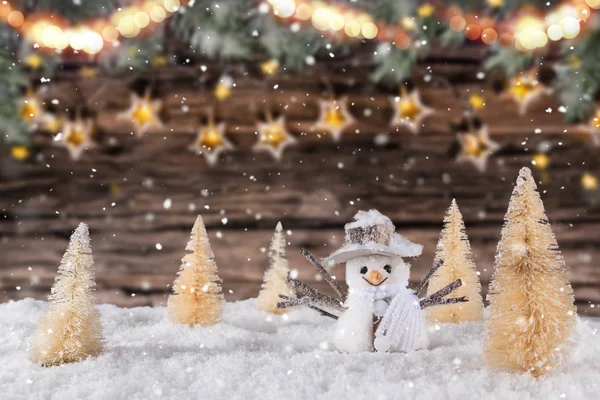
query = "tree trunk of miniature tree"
x=70 y=329
x=274 y=282
x=455 y=250
x=197 y=297
x=532 y=314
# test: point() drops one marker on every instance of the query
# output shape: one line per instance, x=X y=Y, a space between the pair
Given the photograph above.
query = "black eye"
x=388 y=268
x=364 y=270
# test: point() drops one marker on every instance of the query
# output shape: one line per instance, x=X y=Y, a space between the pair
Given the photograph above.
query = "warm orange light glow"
x=15 y=18
x=5 y=9
x=472 y=32
x=458 y=23
x=489 y=36
x=110 y=33
x=304 y=12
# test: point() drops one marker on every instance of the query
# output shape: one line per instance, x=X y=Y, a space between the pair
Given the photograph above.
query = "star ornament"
x=334 y=117
x=211 y=142
x=524 y=89
x=476 y=147
x=31 y=109
x=76 y=137
x=273 y=137
x=143 y=113
x=409 y=110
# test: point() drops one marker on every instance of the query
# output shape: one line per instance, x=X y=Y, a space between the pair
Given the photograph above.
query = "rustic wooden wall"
x=119 y=187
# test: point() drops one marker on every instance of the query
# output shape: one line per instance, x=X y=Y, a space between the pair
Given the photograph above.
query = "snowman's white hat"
x=372 y=233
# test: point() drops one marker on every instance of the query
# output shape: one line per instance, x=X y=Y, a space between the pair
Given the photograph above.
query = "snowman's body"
x=366 y=277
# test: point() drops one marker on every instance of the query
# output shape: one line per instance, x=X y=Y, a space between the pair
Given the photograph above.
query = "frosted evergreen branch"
x=432 y=271
x=332 y=282
x=438 y=296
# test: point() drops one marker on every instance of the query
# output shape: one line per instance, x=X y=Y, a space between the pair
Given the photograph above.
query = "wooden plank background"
x=120 y=187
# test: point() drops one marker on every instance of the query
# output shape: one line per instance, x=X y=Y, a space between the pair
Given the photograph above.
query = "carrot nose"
x=375 y=276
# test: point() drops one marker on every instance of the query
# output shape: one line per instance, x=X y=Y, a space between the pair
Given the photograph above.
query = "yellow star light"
x=76 y=137
x=476 y=147
x=159 y=61
x=273 y=137
x=31 y=109
x=88 y=72
x=409 y=110
x=593 y=127
x=143 y=113
x=589 y=181
x=525 y=89
x=334 y=117
x=269 y=67
x=34 y=61
x=211 y=142
x=541 y=161
x=426 y=10
x=19 y=152
x=223 y=88
x=476 y=101
x=495 y=3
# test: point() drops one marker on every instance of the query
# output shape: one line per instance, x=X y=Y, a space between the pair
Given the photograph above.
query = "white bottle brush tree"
x=276 y=275
x=532 y=314
x=455 y=250
x=198 y=297
x=70 y=329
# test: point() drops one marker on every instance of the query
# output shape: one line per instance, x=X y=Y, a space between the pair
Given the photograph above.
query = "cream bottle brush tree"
x=276 y=275
x=197 y=297
x=454 y=248
x=70 y=329
x=532 y=314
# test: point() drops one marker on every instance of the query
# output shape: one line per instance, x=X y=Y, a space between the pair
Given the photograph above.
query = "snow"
x=253 y=355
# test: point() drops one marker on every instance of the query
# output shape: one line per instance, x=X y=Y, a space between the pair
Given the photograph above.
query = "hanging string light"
x=54 y=32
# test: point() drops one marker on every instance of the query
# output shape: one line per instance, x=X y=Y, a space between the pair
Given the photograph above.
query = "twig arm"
x=440 y=294
x=454 y=300
x=302 y=289
x=332 y=282
x=432 y=271
x=304 y=301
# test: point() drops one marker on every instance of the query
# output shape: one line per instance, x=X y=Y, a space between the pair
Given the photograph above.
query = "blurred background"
x=135 y=116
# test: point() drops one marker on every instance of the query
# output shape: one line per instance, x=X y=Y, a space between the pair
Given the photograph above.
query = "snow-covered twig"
x=304 y=301
x=442 y=302
x=432 y=271
x=332 y=282
x=438 y=297
x=302 y=289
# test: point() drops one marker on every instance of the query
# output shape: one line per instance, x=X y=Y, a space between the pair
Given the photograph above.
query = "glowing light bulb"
x=336 y=21
x=555 y=32
x=142 y=19
x=93 y=42
x=110 y=33
x=369 y=30
x=352 y=28
x=284 y=8
x=172 y=5
x=570 y=27
x=320 y=19
x=304 y=12
x=158 y=14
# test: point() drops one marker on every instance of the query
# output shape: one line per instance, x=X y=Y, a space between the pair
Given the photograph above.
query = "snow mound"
x=255 y=356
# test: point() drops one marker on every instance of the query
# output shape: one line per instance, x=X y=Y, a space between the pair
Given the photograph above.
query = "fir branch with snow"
x=70 y=330
x=198 y=297
x=455 y=250
x=532 y=314
x=276 y=275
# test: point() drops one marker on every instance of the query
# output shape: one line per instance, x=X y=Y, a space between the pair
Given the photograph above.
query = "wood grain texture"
x=120 y=187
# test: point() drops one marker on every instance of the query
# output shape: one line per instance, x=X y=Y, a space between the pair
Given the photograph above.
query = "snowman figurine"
x=381 y=312
x=378 y=311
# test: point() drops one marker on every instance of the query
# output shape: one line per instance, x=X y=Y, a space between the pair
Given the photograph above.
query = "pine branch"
x=342 y=294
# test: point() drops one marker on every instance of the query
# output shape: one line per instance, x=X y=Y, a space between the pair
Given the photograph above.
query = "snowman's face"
x=376 y=270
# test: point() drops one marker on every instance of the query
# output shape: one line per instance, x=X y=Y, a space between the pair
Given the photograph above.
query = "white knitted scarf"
x=403 y=321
